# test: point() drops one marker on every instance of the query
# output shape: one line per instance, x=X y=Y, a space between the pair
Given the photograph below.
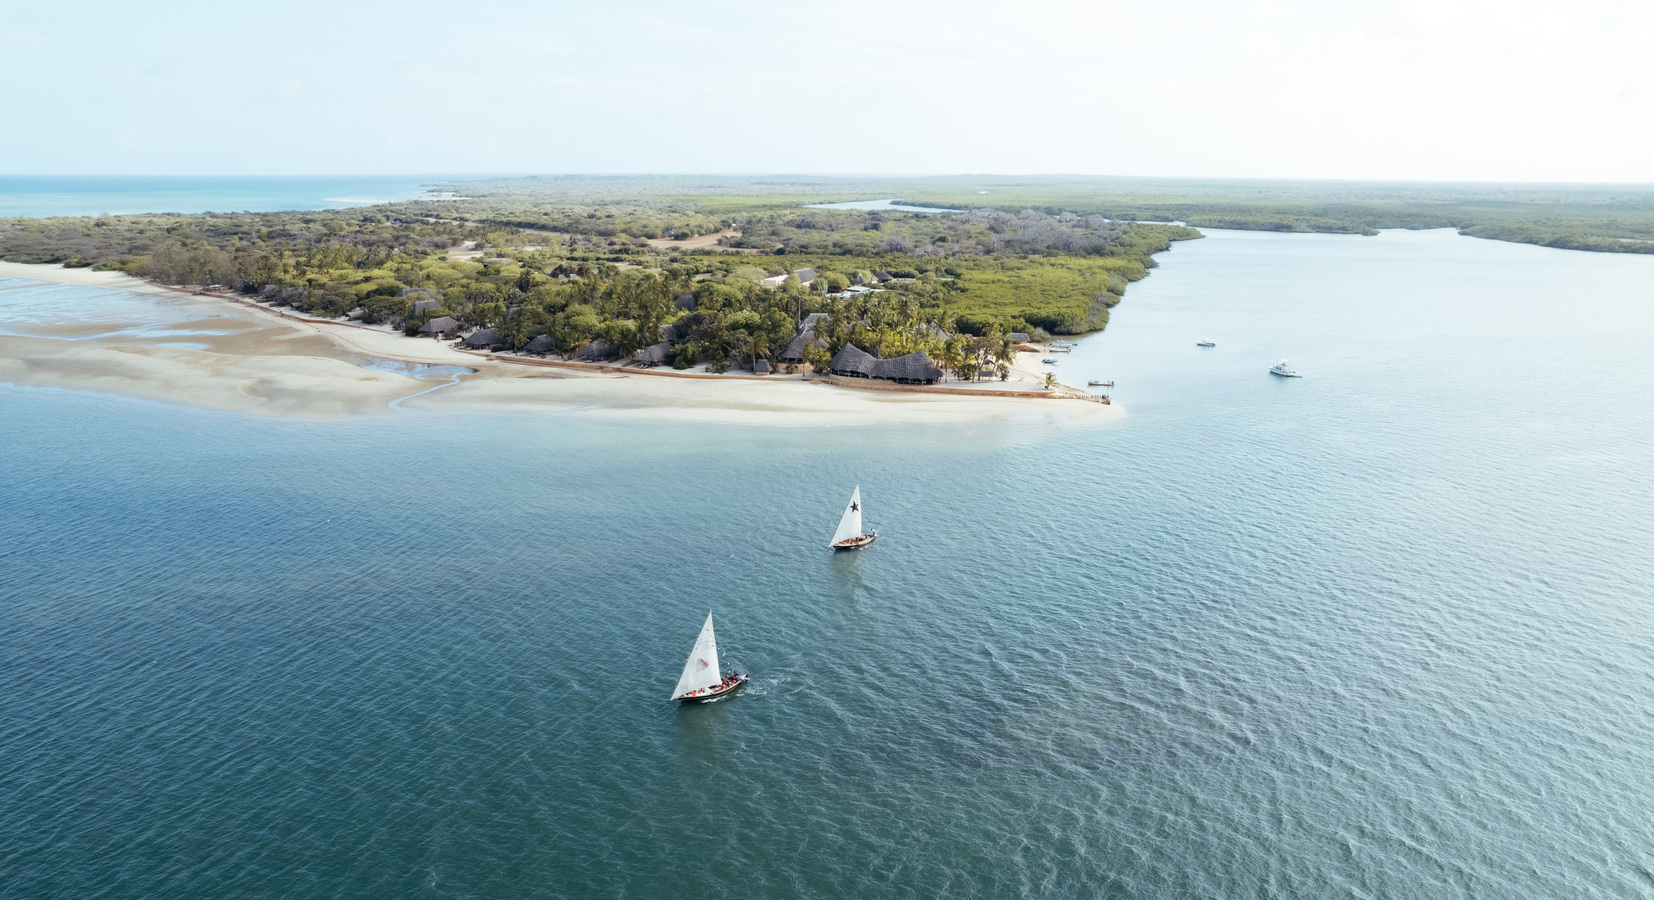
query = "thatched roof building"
x=482 y=339
x=794 y=351
x=596 y=350
x=439 y=326
x=541 y=345
x=1020 y=337
x=686 y=302
x=652 y=356
x=420 y=306
x=762 y=367
x=914 y=368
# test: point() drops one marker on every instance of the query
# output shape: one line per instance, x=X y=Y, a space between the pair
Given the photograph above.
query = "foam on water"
x=1383 y=631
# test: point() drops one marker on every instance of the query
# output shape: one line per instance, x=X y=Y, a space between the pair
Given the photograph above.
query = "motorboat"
x=1283 y=370
x=1206 y=343
x=702 y=680
x=1048 y=361
x=1100 y=383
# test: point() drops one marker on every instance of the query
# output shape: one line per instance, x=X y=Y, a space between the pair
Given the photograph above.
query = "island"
x=956 y=290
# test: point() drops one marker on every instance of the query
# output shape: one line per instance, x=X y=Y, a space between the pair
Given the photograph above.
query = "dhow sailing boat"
x=849 y=535
x=701 y=679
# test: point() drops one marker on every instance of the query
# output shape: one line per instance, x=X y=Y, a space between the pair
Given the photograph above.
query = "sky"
x=1450 y=90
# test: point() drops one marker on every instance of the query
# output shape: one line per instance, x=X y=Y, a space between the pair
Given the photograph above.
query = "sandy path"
x=703 y=242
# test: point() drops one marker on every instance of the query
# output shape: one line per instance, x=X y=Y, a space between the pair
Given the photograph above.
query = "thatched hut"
x=762 y=367
x=482 y=339
x=794 y=351
x=541 y=345
x=652 y=356
x=596 y=350
x=685 y=302
x=421 y=306
x=1020 y=337
x=444 y=326
x=914 y=368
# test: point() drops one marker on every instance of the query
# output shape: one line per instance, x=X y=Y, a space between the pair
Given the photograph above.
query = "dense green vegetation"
x=586 y=259
x=527 y=266
x=1576 y=217
x=1606 y=218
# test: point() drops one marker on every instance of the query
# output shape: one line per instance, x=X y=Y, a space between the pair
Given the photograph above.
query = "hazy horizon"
x=1458 y=92
x=436 y=177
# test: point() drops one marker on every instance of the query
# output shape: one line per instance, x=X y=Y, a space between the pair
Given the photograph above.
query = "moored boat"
x=1100 y=383
x=1205 y=343
x=1283 y=370
x=702 y=680
x=1049 y=361
x=849 y=535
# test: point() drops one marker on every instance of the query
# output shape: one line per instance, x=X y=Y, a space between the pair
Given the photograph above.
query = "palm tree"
x=1050 y=380
x=950 y=358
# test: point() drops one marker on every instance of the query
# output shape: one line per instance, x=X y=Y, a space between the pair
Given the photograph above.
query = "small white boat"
x=849 y=535
x=1048 y=361
x=1283 y=370
x=1100 y=383
x=701 y=679
x=1206 y=343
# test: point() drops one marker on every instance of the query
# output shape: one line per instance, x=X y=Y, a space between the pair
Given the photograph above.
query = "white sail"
x=849 y=525
x=700 y=671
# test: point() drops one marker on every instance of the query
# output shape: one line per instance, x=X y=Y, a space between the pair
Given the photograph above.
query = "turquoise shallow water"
x=1383 y=631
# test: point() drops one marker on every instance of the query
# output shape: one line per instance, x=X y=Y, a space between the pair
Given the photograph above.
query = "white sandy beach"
x=243 y=358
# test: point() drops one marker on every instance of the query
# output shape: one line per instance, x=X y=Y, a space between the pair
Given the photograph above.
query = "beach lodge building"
x=794 y=352
x=914 y=368
x=805 y=276
x=445 y=326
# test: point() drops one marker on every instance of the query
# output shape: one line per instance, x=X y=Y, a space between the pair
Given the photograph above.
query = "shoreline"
x=247 y=358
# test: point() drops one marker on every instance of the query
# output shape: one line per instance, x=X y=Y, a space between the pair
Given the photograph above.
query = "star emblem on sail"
x=849 y=525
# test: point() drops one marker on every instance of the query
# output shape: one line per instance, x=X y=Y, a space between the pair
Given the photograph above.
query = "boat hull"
x=722 y=690
x=1285 y=374
x=857 y=542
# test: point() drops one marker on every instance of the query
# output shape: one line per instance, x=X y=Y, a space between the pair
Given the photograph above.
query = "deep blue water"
x=96 y=195
x=1383 y=631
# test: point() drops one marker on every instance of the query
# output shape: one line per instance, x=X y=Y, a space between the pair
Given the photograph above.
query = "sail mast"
x=849 y=524
x=700 y=670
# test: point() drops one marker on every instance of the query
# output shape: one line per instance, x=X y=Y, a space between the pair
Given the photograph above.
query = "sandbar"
x=240 y=357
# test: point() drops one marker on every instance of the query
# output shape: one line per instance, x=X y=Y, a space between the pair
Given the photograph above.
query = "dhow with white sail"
x=701 y=678
x=849 y=535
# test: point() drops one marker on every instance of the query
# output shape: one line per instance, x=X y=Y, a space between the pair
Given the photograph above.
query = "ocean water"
x=1383 y=631
x=91 y=195
x=892 y=204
